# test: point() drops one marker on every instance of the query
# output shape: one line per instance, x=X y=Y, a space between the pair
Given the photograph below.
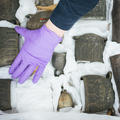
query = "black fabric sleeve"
x=68 y=12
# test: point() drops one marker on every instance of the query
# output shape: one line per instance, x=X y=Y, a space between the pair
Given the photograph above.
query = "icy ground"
x=39 y=101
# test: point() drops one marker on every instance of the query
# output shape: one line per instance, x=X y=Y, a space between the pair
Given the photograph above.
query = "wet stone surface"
x=36 y=21
x=58 y=62
x=5 y=102
x=99 y=12
x=8 y=9
x=116 y=21
x=9 y=46
x=99 y=94
x=89 y=47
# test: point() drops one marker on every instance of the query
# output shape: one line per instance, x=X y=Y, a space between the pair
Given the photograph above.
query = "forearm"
x=54 y=28
x=69 y=11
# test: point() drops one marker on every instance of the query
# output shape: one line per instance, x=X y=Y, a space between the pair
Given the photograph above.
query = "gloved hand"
x=37 y=51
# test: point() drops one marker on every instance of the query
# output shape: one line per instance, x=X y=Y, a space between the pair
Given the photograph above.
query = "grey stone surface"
x=99 y=94
x=116 y=21
x=9 y=46
x=5 y=102
x=45 y=2
x=58 y=62
x=89 y=47
x=37 y=20
x=8 y=9
x=115 y=63
x=99 y=12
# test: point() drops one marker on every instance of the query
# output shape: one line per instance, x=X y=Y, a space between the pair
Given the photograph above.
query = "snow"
x=56 y=1
x=26 y=7
x=5 y=23
x=56 y=116
x=39 y=101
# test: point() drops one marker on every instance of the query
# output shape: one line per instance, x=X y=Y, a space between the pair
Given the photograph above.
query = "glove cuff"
x=58 y=38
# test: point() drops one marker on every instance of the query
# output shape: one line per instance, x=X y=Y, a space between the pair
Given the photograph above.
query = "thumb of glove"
x=22 y=31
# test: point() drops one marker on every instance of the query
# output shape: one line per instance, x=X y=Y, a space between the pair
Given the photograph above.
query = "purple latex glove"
x=37 y=51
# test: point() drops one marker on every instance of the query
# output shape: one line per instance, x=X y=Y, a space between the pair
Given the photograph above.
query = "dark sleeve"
x=68 y=12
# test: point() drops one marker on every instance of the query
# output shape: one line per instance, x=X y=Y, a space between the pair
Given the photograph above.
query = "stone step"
x=115 y=63
x=99 y=94
x=89 y=47
x=45 y=2
x=99 y=12
x=36 y=21
x=115 y=21
x=5 y=102
x=9 y=46
x=8 y=9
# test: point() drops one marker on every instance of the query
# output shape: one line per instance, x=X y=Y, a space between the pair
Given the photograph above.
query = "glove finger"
x=22 y=31
x=15 y=64
x=25 y=75
x=38 y=73
x=20 y=69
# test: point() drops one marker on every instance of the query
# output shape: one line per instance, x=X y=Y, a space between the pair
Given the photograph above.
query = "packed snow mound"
x=53 y=116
